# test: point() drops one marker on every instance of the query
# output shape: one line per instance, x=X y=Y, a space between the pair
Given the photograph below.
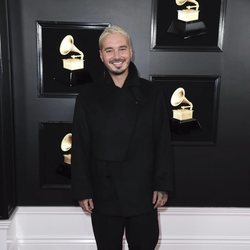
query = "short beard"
x=117 y=73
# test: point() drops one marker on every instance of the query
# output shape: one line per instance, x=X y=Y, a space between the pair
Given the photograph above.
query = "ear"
x=131 y=52
x=100 y=54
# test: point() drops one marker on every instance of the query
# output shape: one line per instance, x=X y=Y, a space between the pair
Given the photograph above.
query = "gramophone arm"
x=76 y=56
x=194 y=2
x=187 y=107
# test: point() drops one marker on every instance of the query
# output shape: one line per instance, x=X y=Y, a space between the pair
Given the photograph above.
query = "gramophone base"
x=187 y=29
x=184 y=126
x=73 y=78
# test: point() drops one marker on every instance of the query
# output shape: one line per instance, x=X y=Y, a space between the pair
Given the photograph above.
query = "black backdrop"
x=205 y=175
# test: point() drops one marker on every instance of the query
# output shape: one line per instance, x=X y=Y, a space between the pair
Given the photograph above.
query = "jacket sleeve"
x=80 y=167
x=164 y=164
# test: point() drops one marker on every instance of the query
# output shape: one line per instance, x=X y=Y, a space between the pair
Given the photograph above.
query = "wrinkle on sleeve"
x=81 y=183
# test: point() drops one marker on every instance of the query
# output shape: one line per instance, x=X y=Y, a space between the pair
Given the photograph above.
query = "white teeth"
x=117 y=63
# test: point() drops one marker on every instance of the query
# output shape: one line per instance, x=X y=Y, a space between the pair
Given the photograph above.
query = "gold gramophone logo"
x=184 y=110
x=75 y=61
x=66 y=145
x=188 y=23
x=182 y=120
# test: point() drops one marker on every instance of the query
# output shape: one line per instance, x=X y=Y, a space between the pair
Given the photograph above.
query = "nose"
x=116 y=54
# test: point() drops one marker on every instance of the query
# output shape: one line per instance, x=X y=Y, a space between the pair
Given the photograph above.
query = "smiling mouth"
x=117 y=63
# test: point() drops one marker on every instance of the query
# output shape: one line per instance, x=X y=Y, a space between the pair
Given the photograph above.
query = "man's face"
x=116 y=53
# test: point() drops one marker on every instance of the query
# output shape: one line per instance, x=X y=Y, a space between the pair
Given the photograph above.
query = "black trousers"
x=141 y=231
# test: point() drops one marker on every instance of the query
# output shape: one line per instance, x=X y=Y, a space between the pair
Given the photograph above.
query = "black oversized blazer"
x=121 y=149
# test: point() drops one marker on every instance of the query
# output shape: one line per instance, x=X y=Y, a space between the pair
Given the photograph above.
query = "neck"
x=119 y=79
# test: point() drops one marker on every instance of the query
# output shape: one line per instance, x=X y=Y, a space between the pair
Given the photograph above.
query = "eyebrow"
x=120 y=47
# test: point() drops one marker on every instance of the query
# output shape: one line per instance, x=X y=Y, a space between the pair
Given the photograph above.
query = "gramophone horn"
x=180 y=2
x=178 y=97
x=67 y=45
x=66 y=143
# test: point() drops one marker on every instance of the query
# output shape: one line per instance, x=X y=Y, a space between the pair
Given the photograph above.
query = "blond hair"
x=113 y=29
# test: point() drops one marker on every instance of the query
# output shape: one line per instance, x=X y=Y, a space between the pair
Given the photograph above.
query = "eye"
x=108 y=51
x=123 y=48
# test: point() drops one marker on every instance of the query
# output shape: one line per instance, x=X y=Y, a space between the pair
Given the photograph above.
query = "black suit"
x=121 y=145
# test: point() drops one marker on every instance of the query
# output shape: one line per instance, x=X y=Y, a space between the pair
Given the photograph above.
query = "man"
x=122 y=167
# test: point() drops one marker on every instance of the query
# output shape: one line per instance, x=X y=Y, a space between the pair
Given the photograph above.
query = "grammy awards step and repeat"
x=182 y=114
x=186 y=25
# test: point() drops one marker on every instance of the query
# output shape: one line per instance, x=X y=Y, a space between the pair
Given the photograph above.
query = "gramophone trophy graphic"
x=66 y=145
x=187 y=24
x=182 y=119
x=75 y=61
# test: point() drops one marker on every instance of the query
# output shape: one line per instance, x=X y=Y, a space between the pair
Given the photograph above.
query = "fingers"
x=87 y=205
x=154 y=197
x=91 y=204
x=159 y=199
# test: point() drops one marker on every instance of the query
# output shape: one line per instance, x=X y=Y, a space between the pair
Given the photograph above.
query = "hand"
x=87 y=205
x=159 y=199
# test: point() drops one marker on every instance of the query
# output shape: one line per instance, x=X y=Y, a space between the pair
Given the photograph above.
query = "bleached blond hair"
x=114 y=29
